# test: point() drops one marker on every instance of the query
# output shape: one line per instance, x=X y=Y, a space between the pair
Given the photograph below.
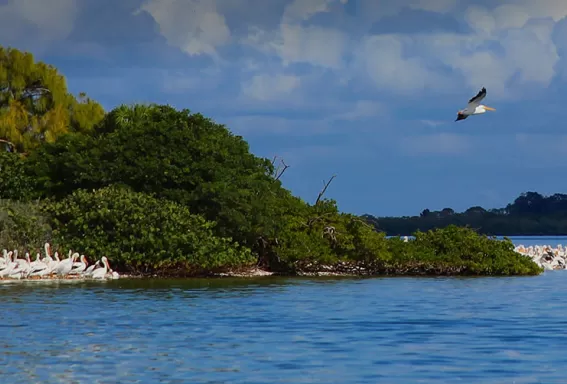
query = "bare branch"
x=8 y=142
x=283 y=170
x=326 y=185
x=276 y=169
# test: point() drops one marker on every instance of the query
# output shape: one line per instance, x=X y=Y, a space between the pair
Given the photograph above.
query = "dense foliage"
x=15 y=183
x=35 y=106
x=170 y=192
x=141 y=233
x=23 y=226
x=462 y=248
x=177 y=155
x=531 y=214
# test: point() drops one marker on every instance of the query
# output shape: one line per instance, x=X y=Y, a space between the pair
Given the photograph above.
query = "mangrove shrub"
x=173 y=154
x=141 y=233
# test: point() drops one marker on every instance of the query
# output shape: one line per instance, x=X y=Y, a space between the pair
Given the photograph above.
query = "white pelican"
x=79 y=268
x=89 y=271
x=10 y=266
x=65 y=265
x=100 y=273
x=474 y=107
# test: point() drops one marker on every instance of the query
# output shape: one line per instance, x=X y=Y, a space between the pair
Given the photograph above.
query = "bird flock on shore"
x=76 y=266
x=545 y=256
x=48 y=267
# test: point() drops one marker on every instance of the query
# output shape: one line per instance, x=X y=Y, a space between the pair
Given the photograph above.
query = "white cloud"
x=507 y=48
x=53 y=20
x=555 y=9
x=322 y=122
x=510 y=46
x=196 y=80
x=194 y=26
x=435 y=144
x=362 y=109
x=524 y=33
x=439 y=6
x=301 y=10
x=383 y=58
x=370 y=11
x=526 y=56
x=315 y=45
x=293 y=42
x=433 y=123
x=270 y=87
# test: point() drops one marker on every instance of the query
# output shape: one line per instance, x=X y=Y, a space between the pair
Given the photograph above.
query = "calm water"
x=274 y=330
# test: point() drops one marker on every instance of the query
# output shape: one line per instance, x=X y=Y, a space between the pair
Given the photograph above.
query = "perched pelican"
x=100 y=273
x=89 y=271
x=65 y=265
x=79 y=268
x=474 y=107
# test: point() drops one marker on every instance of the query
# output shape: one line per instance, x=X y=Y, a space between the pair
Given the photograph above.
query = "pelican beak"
x=489 y=108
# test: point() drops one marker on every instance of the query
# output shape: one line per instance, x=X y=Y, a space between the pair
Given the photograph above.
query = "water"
x=286 y=330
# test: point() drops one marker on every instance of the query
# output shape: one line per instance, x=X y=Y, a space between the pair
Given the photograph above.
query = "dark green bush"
x=15 y=184
x=141 y=233
x=465 y=249
x=23 y=226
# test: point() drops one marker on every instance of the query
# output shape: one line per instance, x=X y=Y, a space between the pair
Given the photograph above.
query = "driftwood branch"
x=325 y=186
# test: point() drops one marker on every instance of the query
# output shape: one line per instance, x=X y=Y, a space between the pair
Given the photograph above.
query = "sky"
x=366 y=90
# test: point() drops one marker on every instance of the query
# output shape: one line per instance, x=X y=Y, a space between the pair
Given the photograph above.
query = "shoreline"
x=545 y=256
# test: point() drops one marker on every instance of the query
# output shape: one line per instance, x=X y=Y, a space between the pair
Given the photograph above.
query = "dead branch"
x=283 y=170
x=326 y=185
x=9 y=143
x=274 y=159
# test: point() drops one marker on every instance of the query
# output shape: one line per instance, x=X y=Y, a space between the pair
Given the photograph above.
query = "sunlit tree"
x=35 y=105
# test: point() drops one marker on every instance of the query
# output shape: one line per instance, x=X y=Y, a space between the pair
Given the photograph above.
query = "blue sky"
x=364 y=89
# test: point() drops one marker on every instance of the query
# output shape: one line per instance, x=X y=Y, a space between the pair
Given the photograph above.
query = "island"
x=159 y=191
x=530 y=214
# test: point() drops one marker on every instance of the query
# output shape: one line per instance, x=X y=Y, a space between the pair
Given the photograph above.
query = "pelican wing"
x=478 y=98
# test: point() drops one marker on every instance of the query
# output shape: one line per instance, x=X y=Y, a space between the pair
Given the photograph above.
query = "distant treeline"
x=531 y=214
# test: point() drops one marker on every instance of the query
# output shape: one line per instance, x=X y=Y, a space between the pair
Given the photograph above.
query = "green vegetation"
x=161 y=191
x=152 y=235
x=531 y=214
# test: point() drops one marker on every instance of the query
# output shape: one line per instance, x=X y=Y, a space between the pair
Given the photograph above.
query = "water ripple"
x=393 y=330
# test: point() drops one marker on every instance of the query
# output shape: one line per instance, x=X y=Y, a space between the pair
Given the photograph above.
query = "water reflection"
x=332 y=330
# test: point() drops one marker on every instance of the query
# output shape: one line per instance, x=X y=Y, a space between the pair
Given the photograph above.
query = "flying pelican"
x=474 y=107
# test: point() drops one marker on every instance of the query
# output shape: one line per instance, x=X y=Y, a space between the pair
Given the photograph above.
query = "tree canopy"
x=35 y=105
